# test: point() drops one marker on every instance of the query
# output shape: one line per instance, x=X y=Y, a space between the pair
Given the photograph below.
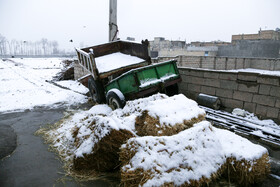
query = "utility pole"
x=113 y=27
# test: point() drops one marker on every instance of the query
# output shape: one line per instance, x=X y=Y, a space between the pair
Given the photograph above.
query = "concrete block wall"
x=256 y=93
x=224 y=63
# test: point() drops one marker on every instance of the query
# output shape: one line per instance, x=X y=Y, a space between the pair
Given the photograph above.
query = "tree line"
x=28 y=48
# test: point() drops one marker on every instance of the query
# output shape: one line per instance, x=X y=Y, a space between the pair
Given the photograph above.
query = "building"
x=262 y=35
x=265 y=44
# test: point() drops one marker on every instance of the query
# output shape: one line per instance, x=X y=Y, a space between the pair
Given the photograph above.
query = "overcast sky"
x=86 y=21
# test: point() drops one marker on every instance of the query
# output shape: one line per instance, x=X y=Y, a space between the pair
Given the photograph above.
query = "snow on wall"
x=255 y=91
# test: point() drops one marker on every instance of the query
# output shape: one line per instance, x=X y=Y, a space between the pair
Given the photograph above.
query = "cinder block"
x=248 y=88
x=231 y=103
x=196 y=73
x=250 y=107
x=277 y=104
x=243 y=96
x=220 y=63
x=247 y=63
x=272 y=112
x=228 y=76
x=264 y=89
x=277 y=65
x=264 y=100
x=232 y=85
x=184 y=71
x=186 y=78
x=183 y=86
x=197 y=80
x=211 y=74
x=194 y=87
x=261 y=110
x=224 y=93
x=247 y=76
x=275 y=91
x=211 y=82
x=240 y=63
x=208 y=90
x=270 y=80
x=230 y=64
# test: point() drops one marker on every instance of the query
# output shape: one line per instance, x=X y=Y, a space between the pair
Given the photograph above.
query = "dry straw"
x=241 y=172
x=147 y=125
x=104 y=156
x=246 y=173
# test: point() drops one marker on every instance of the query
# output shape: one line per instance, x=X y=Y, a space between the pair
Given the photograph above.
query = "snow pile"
x=114 y=61
x=23 y=85
x=260 y=126
x=179 y=159
x=92 y=139
x=82 y=137
x=192 y=157
x=168 y=116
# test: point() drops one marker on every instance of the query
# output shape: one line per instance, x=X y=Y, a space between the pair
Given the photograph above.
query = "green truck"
x=121 y=71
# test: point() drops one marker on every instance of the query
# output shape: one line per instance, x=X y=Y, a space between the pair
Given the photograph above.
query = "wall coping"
x=230 y=72
x=264 y=58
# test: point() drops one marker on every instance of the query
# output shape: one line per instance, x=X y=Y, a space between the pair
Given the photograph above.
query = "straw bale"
x=147 y=125
x=146 y=159
x=104 y=156
x=244 y=172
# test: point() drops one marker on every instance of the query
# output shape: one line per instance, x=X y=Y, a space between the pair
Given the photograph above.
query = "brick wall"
x=253 y=92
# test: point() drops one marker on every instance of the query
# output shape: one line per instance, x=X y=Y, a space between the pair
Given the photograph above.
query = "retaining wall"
x=224 y=63
x=256 y=93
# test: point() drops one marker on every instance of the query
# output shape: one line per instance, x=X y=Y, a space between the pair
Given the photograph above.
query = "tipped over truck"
x=121 y=71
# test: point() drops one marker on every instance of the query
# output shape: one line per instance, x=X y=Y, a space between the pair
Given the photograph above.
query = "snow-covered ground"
x=23 y=85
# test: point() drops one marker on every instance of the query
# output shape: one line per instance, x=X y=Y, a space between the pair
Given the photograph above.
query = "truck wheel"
x=96 y=90
x=115 y=99
x=172 y=90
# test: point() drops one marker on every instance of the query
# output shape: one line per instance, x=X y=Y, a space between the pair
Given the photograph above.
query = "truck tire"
x=96 y=90
x=172 y=90
x=115 y=99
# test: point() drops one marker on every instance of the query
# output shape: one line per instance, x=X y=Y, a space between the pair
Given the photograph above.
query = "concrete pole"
x=113 y=27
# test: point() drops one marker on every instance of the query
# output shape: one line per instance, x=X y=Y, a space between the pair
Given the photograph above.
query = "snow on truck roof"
x=114 y=61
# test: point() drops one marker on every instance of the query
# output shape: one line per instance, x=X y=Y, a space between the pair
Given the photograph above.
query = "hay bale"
x=147 y=125
x=173 y=160
x=193 y=157
x=104 y=156
x=168 y=116
x=97 y=143
x=245 y=173
x=247 y=163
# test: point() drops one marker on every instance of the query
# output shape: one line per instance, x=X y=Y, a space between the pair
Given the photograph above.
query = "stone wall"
x=224 y=63
x=256 y=93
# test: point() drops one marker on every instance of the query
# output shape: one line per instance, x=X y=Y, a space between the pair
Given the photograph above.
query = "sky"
x=86 y=22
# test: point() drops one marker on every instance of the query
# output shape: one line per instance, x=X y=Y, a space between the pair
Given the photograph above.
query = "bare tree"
x=3 y=48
